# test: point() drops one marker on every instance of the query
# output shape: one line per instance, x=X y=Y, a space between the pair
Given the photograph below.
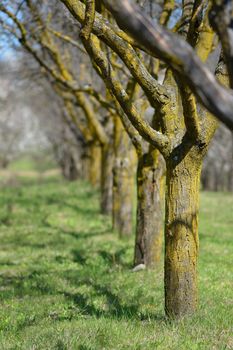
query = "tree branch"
x=221 y=19
x=153 y=90
x=67 y=39
x=89 y=19
x=168 y=7
x=156 y=138
x=178 y=54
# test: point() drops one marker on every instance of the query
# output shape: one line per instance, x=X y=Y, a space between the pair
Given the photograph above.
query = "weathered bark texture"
x=94 y=163
x=84 y=163
x=210 y=179
x=181 y=235
x=65 y=158
x=69 y=168
x=106 y=179
x=150 y=196
x=123 y=182
x=122 y=196
x=218 y=165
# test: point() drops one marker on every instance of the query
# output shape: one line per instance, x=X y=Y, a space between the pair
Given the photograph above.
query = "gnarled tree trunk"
x=123 y=178
x=123 y=181
x=150 y=199
x=69 y=168
x=94 y=163
x=106 y=179
x=65 y=158
x=181 y=234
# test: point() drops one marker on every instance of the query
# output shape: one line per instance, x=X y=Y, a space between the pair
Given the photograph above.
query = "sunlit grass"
x=66 y=280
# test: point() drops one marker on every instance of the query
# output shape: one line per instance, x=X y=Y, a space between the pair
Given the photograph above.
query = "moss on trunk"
x=150 y=195
x=94 y=164
x=106 y=179
x=181 y=235
x=123 y=181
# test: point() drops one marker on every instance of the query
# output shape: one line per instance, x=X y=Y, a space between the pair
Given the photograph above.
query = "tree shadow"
x=79 y=235
x=32 y=283
x=79 y=256
x=114 y=307
x=115 y=258
x=189 y=224
x=111 y=259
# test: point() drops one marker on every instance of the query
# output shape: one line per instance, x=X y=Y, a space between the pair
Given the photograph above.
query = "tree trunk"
x=181 y=235
x=70 y=171
x=84 y=160
x=106 y=179
x=230 y=172
x=94 y=164
x=123 y=181
x=150 y=195
x=66 y=162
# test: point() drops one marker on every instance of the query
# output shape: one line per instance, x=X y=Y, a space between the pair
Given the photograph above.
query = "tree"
x=179 y=54
x=179 y=132
x=218 y=164
x=48 y=46
x=149 y=230
x=186 y=131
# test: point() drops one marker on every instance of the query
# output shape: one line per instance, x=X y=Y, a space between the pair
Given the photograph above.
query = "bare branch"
x=67 y=39
x=130 y=129
x=168 y=6
x=153 y=90
x=221 y=19
x=156 y=138
x=178 y=54
x=89 y=19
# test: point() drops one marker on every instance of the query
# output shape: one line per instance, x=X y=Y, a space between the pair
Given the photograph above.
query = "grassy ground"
x=65 y=279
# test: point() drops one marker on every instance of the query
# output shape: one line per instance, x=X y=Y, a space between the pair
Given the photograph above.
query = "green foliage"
x=66 y=280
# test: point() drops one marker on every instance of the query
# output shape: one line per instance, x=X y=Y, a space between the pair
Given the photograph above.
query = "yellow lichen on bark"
x=94 y=163
x=150 y=194
x=181 y=234
x=123 y=180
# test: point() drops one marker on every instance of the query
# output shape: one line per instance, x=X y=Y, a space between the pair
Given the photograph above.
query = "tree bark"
x=66 y=160
x=123 y=178
x=94 y=164
x=181 y=235
x=70 y=171
x=230 y=173
x=106 y=179
x=150 y=195
x=84 y=163
x=123 y=181
x=178 y=54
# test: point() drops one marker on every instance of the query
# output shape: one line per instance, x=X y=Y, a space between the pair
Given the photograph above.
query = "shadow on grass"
x=115 y=258
x=110 y=259
x=40 y=282
x=79 y=235
x=79 y=256
x=114 y=307
x=39 y=201
x=38 y=198
x=33 y=283
x=37 y=181
x=40 y=278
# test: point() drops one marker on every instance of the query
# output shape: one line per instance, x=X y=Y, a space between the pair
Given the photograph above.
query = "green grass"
x=34 y=162
x=66 y=283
